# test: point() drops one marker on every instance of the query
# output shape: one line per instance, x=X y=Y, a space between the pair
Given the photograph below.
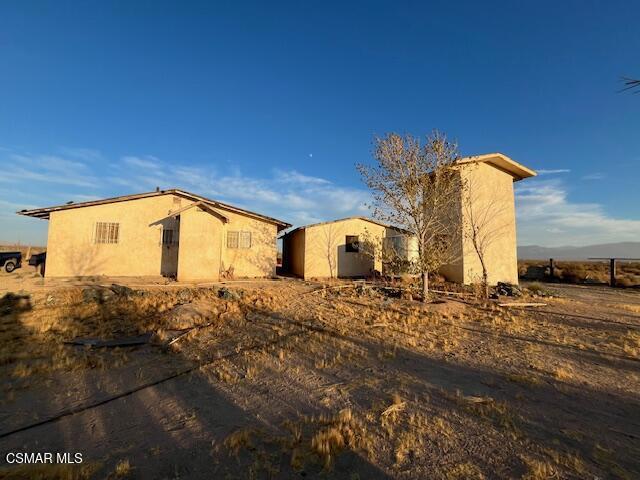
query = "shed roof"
x=45 y=212
x=366 y=219
x=501 y=162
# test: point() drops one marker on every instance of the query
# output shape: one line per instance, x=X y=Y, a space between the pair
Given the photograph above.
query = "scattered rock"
x=92 y=295
x=97 y=294
x=51 y=300
x=122 y=291
x=508 y=290
x=184 y=295
x=189 y=315
x=227 y=294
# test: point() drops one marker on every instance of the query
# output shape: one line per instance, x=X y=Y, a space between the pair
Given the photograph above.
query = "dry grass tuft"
x=389 y=416
x=339 y=432
x=123 y=468
x=240 y=439
x=562 y=373
x=465 y=471
x=538 y=469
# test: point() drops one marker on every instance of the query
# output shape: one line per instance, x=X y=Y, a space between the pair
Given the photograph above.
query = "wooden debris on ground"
x=522 y=304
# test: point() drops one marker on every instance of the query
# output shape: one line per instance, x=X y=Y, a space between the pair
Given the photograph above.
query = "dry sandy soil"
x=293 y=380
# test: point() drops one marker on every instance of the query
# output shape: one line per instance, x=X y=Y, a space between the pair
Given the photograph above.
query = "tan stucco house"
x=323 y=250
x=334 y=249
x=172 y=233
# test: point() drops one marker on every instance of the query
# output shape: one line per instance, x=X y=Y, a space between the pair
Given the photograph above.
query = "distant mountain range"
x=622 y=249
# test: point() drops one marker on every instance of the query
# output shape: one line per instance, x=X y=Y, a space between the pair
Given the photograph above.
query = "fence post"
x=612 y=272
x=551 y=268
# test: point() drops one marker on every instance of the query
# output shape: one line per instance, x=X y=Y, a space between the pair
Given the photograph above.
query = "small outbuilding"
x=336 y=248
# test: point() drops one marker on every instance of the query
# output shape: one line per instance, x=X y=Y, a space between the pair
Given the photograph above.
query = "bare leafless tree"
x=483 y=222
x=330 y=241
x=417 y=187
x=630 y=84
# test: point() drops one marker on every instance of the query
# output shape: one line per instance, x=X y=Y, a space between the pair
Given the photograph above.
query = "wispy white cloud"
x=546 y=216
x=295 y=177
x=14 y=206
x=21 y=168
x=543 y=171
x=287 y=194
x=86 y=154
x=148 y=161
x=291 y=195
x=593 y=176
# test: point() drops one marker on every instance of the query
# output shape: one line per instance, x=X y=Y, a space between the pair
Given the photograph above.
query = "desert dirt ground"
x=291 y=379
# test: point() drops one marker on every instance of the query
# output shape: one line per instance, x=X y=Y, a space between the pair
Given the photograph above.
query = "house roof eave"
x=45 y=212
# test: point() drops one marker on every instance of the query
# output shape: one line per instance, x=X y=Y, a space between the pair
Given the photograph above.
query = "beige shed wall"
x=491 y=195
x=257 y=261
x=70 y=247
x=325 y=255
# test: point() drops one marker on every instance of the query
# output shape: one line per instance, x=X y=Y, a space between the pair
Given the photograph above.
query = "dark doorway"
x=170 y=243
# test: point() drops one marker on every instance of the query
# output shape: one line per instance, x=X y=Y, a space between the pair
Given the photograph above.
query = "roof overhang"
x=202 y=205
x=44 y=213
x=501 y=162
x=365 y=219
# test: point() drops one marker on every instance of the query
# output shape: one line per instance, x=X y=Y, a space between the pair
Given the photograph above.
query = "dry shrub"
x=539 y=470
x=315 y=439
x=389 y=415
x=490 y=409
x=628 y=274
x=465 y=471
x=538 y=289
x=524 y=379
x=627 y=281
x=567 y=460
x=224 y=373
x=123 y=468
x=562 y=373
x=631 y=343
x=339 y=432
x=240 y=439
x=251 y=372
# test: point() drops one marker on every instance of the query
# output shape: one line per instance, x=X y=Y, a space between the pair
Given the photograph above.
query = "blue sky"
x=269 y=105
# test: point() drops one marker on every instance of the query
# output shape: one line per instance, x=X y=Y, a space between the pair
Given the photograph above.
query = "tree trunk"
x=485 y=283
x=425 y=286
x=485 y=275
